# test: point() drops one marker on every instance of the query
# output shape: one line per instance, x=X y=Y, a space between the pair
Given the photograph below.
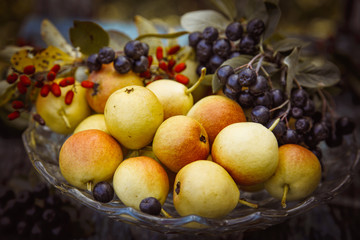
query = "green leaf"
x=144 y=27
x=288 y=44
x=251 y=9
x=208 y=80
x=89 y=36
x=317 y=73
x=227 y=7
x=291 y=62
x=233 y=62
x=117 y=39
x=199 y=20
x=274 y=14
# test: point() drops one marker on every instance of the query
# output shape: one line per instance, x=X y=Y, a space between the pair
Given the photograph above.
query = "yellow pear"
x=95 y=121
x=132 y=116
x=248 y=151
x=297 y=175
x=206 y=189
x=138 y=178
x=60 y=117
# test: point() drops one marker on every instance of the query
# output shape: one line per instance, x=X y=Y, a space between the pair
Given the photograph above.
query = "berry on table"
x=150 y=205
x=103 y=192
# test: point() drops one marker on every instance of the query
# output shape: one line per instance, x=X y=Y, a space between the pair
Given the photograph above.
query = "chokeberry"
x=122 y=64
x=296 y=112
x=247 y=77
x=279 y=129
x=320 y=131
x=134 y=49
x=103 y=192
x=247 y=45
x=106 y=55
x=150 y=205
x=233 y=83
x=234 y=54
x=255 y=27
x=141 y=64
x=93 y=62
x=261 y=85
x=260 y=114
x=203 y=51
x=230 y=93
x=299 y=97
x=214 y=62
x=264 y=99
x=290 y=136
x=210 y=34
x=344 y=125
x=334 y=139
x=245 y=99
x=278 y=97
x=309 y=108
x=234 y=31
x=194 y=38
x=224 y=72
x=302 y=125
x=222 y=47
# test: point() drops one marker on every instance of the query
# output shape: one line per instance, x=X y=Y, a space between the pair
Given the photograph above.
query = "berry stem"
x=167 y=215
x=249 y=204
x=283 y=199
x=64 y=117
x=275 y=123
x=89 y=186
x=259 y=64
x=280 y=106
x=253 y=60
x=267 y=76
x=193 y=87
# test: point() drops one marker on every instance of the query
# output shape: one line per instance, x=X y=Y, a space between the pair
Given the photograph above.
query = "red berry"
x=39 y=84
x=67 y=81
x=163 y=65
x=69 y=97
x=21 y=88
x=180 y=67
x=25 y=80
x=11 y=78
x=182 y=79
x=150 y=59
x=45 y=90
x=174 y=49
x=146 y=74
x=171 y=63
x=30 y=69
x=158 y=77
x=159 y=53
x=17 y=104
x=55 y=89
x=51 y=76
x=13 y=115
x=55 y=68
x=87 y=84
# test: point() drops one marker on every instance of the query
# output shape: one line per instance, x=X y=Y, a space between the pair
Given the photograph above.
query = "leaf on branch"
x=274 y=14
x=89 y=36
x=199 y=20
x=117 y=40
x=227 y=7
x=162 y=35
x=288 y=44
x=251 y=9
x=144 y=27
x=291 y=62
x=317 y=73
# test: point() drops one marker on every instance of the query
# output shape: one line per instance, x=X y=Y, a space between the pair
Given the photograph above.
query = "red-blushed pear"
x=180 y=140
x=138 y=178
x=89 y=157
x=298 y=174
x=248 y=151
x=107 y=80
x=215 y=112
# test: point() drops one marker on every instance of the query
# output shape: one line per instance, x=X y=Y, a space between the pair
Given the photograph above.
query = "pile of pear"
x=155 y=141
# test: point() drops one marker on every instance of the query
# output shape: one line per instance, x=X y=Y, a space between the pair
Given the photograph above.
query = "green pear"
x=132 y=116
x=206 y=189
x=298 y=174
x=248 y=151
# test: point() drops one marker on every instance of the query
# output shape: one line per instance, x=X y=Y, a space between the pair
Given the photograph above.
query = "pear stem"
x=193 y=87
x=64 y=117
x=249 y=204
x=275 y=123
x=165 y=213
x=283 y=199
x=89 y=186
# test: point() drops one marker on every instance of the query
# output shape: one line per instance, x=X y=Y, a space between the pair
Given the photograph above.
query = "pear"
x=88 y=157
x=297 y=175
x=138 y=178
x=95 y=121
x=180 y=140
x=215 y=112
x=206 y=189
x=132 y=116
x=175 y=97
x=60 y=117
x=248 y=151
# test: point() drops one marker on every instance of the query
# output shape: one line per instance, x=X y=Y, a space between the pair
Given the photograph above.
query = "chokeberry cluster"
x=212 y=48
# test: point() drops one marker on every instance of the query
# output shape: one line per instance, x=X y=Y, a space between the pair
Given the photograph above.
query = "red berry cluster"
x=167 y=67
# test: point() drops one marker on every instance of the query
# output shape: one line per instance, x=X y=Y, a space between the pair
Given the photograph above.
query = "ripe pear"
x=95 y=121
x=60 y=117
x=138 y=178
x=180 y=140
x=206 y=189
x=132 y=116
x=248 y=151
x=298 y=174
x=215 y=112
x=89 y=157
x=175 y=97
x=107 y=80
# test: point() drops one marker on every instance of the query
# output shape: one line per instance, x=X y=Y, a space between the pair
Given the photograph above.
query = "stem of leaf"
x=249 y=65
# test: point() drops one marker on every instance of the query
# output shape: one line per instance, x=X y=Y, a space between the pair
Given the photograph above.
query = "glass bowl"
x=339 y=164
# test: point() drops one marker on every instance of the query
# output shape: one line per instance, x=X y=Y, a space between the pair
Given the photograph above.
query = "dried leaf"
x=288 y=44
x=199 y=20
x=117 y=39
x=291 y=62
x=89 y=36
x=227 y=7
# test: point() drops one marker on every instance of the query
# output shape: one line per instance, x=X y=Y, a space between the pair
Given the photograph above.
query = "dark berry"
x=210 y=34
x=279 y=130
x=310 y=140
x=299 y=97
x=134 y=49
x=230 y=93
x=247 y=45
x=214 y=62
x=245 y=99
x=278 y=97
x=122 y=64
x=151 y=206
x=146 y=49
x=234 y=31
x=309 y=108
x=106 y=55
x=222 y=47
x=264 y=99
x=317 y=116
x=290 y=137
x=224 y=72
x=344 y=125
x=302 y=125
x=247 y=77
x=233 y=83
x=234 y=54
x=261 y=85
x=194 y=38
x=260 y=114
x=320 y=131
x=255 y=27
x=93 y=62
x=296 y=112
x=203 y=51
x=103 y=192
x=334 y=139
x=140 y=65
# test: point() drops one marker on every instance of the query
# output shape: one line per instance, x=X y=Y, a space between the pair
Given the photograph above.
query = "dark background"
x=333 y=25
